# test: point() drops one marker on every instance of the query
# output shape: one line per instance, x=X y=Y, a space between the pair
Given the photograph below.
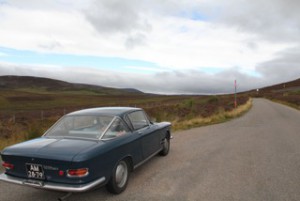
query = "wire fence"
x=37 y=121
x=25 y=115
x=21 y=116
x=29 y=123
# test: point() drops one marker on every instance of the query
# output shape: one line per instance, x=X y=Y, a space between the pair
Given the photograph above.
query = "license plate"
x=35 y=171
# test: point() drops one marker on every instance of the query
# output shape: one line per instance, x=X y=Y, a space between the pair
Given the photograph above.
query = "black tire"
x=166 y=147
x=119 y=178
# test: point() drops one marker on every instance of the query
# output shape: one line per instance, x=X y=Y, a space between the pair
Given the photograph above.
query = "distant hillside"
x=287 y=93
x=286 y=86
x=51 y=85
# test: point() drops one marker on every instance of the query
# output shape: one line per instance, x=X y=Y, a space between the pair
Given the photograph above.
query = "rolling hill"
x=46 y=85
x=287 y=93
x=283 y=87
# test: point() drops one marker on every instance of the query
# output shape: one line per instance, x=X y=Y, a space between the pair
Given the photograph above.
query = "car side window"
x=138 y=120
x=128 y=122
x=117 y=128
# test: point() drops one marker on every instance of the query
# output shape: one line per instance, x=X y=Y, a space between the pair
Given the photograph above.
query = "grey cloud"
x=285 y=67
x=274 y=20
x=117 y=16
x=137 y=39
x=251 y=45
x=24 y=70
x=197 y=82
x=120 y=17
x=173 y=82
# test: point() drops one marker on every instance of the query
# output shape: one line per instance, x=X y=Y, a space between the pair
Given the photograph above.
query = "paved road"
x=255 y=158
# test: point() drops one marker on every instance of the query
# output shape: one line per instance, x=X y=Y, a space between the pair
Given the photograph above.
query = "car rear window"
x=79 y=126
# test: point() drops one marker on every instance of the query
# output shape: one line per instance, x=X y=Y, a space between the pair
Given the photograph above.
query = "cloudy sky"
x=158 y=46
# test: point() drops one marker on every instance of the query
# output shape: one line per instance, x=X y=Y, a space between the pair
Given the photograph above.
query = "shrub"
x=34 y=130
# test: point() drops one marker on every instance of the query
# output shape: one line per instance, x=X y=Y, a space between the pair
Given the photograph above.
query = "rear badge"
x=47 y=167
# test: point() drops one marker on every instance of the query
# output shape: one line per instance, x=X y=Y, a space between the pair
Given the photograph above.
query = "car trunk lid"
x=50 y=148
x=48 y=155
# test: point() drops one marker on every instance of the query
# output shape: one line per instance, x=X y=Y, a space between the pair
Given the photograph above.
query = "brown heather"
x=183 y=111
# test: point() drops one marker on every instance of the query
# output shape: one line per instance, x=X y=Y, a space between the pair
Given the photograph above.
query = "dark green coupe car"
x=87 y=148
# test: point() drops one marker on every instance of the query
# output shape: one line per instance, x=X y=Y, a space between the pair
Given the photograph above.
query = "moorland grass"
x=32 y=117
x=295 y=106
x=220 y=117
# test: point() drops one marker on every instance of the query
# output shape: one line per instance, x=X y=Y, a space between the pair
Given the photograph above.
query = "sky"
x=156 y=46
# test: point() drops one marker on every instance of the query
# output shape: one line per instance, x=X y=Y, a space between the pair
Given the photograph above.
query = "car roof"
x=107 y=111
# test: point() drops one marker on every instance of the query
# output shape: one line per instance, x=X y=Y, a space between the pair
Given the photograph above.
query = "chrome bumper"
x=51 y=185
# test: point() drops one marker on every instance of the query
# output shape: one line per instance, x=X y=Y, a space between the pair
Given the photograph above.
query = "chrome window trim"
x=109 y=125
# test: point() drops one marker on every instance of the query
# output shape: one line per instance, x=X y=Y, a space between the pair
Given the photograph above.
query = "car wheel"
x=119 y=178
x=166 y=147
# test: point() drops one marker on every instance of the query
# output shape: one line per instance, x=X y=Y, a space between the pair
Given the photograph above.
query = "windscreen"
x=81 y=126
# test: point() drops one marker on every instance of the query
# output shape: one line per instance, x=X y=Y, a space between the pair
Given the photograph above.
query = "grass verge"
x=219 y=117
x=286 y=103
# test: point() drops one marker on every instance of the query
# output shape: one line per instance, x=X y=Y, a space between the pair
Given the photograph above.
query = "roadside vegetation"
x=218 y=117
x=291 y=99
x=27 y=114
x=285 y=93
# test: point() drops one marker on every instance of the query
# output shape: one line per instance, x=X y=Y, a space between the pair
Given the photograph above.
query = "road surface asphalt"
x=255 y=157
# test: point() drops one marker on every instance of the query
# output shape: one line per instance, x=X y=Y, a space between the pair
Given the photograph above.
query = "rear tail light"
x=82 y=172
x=7 y=166
x=61 y=173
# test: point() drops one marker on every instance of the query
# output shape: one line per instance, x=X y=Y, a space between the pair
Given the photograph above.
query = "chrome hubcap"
x=166 y=144
x=121 y=174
